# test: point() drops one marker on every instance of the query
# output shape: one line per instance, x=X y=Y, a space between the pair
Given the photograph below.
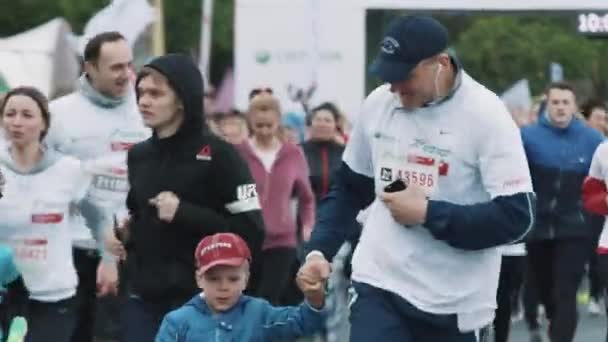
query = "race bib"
x=413 y=167
x=31 y=254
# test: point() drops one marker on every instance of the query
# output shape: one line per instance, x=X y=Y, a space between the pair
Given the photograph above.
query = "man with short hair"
x=426 y=267
x=559 y=148
x=97 y=124
x=186 y=183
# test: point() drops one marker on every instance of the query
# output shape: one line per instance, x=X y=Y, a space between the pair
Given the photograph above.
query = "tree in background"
x=500 y=50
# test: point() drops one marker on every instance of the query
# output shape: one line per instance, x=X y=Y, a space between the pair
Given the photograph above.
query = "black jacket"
x=324 y=159
x=211 y=180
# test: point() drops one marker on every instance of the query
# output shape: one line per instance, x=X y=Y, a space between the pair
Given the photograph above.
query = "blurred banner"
x=289 y=45
x=129 y=17
x=40 y=57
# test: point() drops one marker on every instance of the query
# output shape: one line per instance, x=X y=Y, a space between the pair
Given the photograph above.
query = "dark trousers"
x=141 y=319
x=558 y=267
x=511 y=274
x=109 y=308
x=530 y=299
x=378 y=315
x=276 y=266
x=86 y=262
x=50 y=321
x=596 y=287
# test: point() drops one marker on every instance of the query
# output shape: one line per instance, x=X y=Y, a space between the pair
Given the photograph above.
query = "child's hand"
x=314 y=290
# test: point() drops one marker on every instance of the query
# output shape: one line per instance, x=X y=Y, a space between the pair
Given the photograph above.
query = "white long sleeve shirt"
x=35 y=211
x=99 y=136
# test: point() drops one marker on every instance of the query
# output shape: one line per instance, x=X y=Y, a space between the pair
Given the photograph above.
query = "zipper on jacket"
x=552 y=207
x=581 y=216
x=324 y=172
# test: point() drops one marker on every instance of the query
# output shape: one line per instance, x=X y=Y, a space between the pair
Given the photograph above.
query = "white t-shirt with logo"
x=100 y=137
x=35 y=222
x=465 y=150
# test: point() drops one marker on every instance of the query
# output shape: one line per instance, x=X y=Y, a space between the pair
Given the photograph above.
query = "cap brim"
x=223 y=262
x=391 y=71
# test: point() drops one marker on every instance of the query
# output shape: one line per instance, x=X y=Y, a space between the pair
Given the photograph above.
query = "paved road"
x=590 y=329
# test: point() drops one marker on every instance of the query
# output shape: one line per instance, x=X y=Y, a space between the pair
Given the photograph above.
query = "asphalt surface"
x=590 y=329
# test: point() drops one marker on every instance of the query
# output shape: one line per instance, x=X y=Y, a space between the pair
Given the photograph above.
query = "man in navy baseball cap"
x=407 y=42
x=413 y=58
x=428 y=258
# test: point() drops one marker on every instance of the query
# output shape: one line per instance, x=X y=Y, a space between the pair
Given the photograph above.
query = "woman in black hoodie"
x=184 y=185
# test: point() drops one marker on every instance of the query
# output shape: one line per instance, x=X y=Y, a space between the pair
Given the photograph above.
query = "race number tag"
x=31 y=254
x=413 y=167
x=421 y=170
x=31 y=249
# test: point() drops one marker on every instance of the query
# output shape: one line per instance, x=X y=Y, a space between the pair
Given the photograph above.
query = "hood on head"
x=187 y=81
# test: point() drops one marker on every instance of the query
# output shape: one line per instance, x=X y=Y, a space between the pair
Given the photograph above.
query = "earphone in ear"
x=439 y=68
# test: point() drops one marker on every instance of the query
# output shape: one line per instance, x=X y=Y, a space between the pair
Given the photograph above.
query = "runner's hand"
x=107 y=278
x=408 y=206
x=166 y=204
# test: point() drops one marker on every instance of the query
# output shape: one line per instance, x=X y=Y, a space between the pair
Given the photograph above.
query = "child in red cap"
x=223 y=313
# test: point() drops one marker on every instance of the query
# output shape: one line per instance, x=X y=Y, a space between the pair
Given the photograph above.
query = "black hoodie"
x=213 y=183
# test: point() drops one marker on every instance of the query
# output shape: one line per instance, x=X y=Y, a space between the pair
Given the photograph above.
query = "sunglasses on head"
x=256 y=91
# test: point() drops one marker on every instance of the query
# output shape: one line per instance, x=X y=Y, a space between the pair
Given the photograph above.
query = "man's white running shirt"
x=465 y=150
x=99 y=137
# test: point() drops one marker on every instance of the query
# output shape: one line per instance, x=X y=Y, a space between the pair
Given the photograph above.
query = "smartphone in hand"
x=395 y=186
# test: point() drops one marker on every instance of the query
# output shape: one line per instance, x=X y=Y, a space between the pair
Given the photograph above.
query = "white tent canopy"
x=296 y=42
x=40 y=57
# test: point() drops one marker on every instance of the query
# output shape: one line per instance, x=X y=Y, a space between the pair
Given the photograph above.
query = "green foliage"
x=19 y=15
x=183 y=29
x=78 y=12
x=499 y=50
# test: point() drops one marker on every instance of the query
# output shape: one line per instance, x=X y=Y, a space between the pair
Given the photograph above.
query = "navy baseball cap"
x=407 y=41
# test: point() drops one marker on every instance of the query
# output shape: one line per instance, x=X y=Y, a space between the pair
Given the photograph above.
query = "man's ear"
x=444 y=59
x=89 y=66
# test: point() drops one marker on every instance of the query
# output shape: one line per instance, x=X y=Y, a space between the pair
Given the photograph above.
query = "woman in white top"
x=41 y=188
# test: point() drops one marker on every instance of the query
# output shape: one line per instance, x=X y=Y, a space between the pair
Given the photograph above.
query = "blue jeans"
x=378 y=315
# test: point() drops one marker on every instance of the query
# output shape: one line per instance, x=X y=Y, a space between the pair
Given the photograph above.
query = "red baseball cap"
x=221 y=249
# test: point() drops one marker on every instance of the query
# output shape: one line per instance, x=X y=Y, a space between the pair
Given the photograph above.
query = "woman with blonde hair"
x=280 y=171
